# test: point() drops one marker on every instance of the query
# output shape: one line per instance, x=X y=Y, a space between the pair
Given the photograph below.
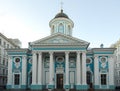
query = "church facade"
x=60 y=61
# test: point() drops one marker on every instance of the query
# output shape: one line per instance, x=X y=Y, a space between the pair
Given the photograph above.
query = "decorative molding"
x=67 y=52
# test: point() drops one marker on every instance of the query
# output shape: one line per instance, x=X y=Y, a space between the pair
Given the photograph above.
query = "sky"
x=95 y=21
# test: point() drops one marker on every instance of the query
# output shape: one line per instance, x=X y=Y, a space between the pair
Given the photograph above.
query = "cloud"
x=12 y=27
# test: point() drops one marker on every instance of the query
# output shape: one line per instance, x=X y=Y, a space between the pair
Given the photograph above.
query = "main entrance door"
x=59 y=81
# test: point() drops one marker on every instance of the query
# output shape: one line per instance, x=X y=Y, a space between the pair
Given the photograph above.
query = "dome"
x=61 y=14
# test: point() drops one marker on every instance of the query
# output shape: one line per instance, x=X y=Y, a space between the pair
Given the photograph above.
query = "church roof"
x=61 y=14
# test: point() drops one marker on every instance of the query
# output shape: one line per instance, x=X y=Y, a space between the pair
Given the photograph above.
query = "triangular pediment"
x=59 y=39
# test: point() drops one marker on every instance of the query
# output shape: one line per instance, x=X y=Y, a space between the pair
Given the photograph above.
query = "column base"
x=9 y=86
x=66 y=86
x=81 y=87
x=51 y=86
x=36 y=87
x=23 y=86
x=111 y=87
x=96 y=87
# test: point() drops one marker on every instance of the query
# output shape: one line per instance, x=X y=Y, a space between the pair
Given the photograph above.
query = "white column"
x=83 y=68
x=67 y=67
x=9 y=77
x=96 y=71
x=51 y=69
x=34 y=68
x=40 y=68
x=111 y=70
x=24 y=70
x=78 y=69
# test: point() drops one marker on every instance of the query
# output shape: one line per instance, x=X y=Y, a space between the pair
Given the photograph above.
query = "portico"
x=55 y=71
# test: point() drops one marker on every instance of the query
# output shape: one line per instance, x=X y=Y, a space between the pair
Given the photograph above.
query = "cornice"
x=59 y=46
x=17 y=50
x=103 y=49
x=59 y=19
x=78 y=41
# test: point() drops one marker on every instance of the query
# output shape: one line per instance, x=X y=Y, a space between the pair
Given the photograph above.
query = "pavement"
x=56 y=90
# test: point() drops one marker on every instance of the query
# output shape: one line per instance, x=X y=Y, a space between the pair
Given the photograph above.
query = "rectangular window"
x=0 y=60
x=72 y=77
x=17 y=79
x=3 y=71
x=118 y=73
x=103 y=79
x=117 y=81
x=5 y=44
x=0 y=71
x=3 y=61
x=0 y=51
x=0 y=42
x=6 y=71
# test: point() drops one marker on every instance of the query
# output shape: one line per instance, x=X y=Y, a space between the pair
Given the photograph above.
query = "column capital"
x=51 y=52
x=67 y=52
x=95 y=56
x=34 y=52
x=78 y=52
x=9 y=57
x=111 y=56
x=84 y=52
x=39 y=52
x=24 y=57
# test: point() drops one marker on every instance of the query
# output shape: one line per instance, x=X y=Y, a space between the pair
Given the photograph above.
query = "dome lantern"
x=61 y=23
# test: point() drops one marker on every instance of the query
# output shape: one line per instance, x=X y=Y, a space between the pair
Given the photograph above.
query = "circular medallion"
x=17 y=60
x=103 y=60
x=60 y=59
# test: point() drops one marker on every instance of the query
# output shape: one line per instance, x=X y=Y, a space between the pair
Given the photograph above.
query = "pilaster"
x=96 y=72
x=111 y=72
x=83 y=68
x=24 y=71
x=34 y=68
x=9 y=81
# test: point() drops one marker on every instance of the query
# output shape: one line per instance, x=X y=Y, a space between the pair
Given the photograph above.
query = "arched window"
x=88 y=77
x=61 y=28
x=69 y=29
x=53 y=28
x=30 y=78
